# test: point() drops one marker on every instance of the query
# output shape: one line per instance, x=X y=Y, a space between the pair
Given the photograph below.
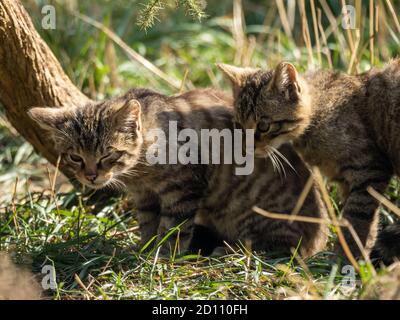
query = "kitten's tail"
x=387 y=246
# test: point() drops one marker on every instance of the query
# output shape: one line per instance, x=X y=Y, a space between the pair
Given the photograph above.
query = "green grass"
x=93 y=247
x=88 y=247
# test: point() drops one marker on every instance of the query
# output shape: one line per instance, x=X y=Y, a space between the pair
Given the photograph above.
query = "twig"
x=387 y=203
x=336 y=223
x=284 y=216
x=304 y=193
x=80 y=283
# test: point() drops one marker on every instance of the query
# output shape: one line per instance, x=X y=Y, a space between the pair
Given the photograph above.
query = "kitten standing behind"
x=348 y=126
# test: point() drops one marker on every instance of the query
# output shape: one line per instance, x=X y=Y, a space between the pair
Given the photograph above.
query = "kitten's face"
x=99 y=143
x=273 y=103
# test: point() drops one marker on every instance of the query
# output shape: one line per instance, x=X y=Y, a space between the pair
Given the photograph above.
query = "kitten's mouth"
x=96 y=184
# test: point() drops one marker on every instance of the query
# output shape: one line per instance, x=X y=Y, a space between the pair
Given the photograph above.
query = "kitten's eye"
x=263 y=126
x=112 y=156
x=75 y=158
x=275 y=127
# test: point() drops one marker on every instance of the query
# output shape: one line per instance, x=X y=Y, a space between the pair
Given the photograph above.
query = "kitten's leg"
x=148 y=225
x=178 y=208
x=148 y=216
x=204 y=240
x=205 y=237
x=180 y=239
x=283 y=238
x=360 y=208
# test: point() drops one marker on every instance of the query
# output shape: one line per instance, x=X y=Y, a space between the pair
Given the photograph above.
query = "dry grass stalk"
x=182 y=88
x=302 y=218
x=175 y=83
x=331 y=211
x=306 y=32
x=371 y=31
x=238 y=31
x=80 y=283
x=316 y=35
x=393 y=13
x=303 y=195
x=324 y=39
x=335 y=29
x=284 y=18
x=387 y=203
x=14 y=208
x=353 y=58
x=349 y=34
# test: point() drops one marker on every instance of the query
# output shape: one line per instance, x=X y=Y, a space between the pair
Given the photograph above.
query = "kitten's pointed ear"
x=128 y=116
x=48 y=118
x=286 y=80
x=235 y=74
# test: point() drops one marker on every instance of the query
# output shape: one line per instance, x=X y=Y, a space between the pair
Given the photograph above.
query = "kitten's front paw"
x=219 y=252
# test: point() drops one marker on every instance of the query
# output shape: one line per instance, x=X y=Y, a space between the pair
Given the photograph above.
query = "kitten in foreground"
x=17 y=283
x=348 y=126
x=104 y=144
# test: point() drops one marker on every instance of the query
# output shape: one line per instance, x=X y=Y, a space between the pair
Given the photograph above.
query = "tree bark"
x=30 y=75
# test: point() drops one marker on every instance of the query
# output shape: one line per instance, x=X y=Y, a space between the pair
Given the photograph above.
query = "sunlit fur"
x=346 y=125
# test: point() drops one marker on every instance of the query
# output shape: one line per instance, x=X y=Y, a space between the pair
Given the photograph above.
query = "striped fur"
x=346 y=125
x=207 y=195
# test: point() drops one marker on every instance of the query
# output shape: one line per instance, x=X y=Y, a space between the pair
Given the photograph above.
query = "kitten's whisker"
x=280 y=165
x=279 y=154
x=129 y=174
x=119 y=183
x=275 y=163
x=116 y=184
x=271 y=158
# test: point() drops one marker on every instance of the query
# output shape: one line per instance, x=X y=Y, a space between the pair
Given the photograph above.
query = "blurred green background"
x=257 y=33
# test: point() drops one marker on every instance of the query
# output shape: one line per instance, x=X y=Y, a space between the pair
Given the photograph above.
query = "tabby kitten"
x=346 y=125
x=104 y=144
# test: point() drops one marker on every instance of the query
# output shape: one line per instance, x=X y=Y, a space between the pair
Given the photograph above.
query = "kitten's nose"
x=91 y=177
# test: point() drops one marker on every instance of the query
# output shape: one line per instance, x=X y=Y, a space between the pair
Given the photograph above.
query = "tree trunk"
x=30 y=75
